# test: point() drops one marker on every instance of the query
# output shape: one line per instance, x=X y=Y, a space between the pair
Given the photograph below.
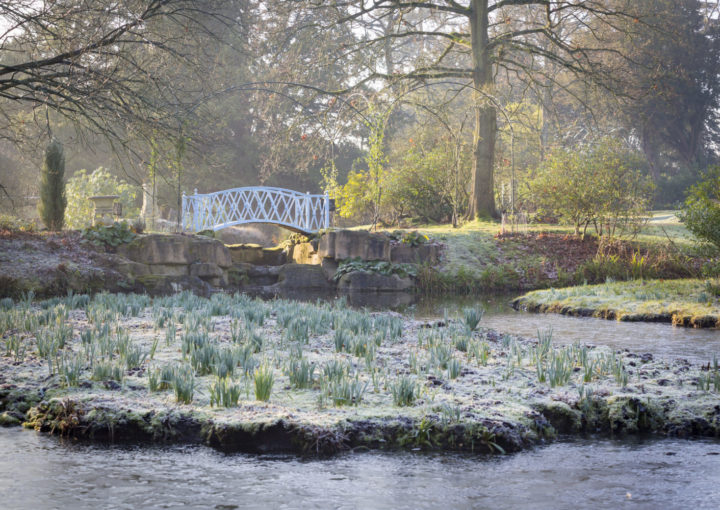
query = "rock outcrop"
x=163 y=263
x=350 y=244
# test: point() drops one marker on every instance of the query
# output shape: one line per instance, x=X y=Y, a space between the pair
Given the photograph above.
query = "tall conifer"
x=52 y=187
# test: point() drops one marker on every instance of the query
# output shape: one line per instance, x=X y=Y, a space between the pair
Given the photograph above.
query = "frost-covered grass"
x=682 y=298
x=473 y=258
x=239 y=359
x=476 y=235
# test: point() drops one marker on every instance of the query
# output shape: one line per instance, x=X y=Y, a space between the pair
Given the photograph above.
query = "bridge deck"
x=301 y=212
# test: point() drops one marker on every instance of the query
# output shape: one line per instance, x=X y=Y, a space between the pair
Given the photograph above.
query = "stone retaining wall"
x=161 y=263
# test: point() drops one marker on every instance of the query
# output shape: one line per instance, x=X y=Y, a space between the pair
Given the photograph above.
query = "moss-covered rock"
x=8 y=420
x=561 y=416
x=631 y=415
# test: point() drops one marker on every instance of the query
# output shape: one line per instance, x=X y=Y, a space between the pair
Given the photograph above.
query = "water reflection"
x=38 y=471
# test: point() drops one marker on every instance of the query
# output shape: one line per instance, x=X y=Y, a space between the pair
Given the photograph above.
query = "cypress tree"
x=52 y=187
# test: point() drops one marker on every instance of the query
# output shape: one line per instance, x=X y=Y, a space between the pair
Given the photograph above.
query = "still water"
x=663 y=340
x=38 y=471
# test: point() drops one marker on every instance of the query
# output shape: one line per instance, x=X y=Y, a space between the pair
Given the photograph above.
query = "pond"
x=39 y=471
x=663 y=340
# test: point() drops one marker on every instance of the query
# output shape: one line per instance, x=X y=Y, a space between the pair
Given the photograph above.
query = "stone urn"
x=106 y=210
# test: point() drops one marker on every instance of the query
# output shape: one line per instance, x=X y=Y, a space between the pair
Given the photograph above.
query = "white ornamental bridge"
x=301 y=212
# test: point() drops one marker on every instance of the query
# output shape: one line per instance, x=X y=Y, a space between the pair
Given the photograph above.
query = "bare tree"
x=467 y=43
x=112 y=68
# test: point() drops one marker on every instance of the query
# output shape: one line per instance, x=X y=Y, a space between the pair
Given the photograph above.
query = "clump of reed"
x=264 y=379
x=404 y=390
x=335 y=370
x=224 y=392
x=453 y=369
x=343 y=390
x=183 y=383
x=440 y=356
x=15 y=347
x=472 y=318
x=107 y=371
x=161 y=378
x=301 y=373
x=70 y=369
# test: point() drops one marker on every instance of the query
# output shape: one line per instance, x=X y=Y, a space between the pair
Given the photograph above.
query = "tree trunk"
x=482 y=198
x=649 y=148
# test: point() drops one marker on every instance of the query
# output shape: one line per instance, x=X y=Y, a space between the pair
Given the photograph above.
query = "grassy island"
x=688 y=302
x=247 y=375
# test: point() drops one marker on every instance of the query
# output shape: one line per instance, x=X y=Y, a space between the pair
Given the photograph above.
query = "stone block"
x=157 y=249
x=254 y=276
x=377 y=247
x=209 y=272
x=350 y=244
x=246 y=253
x=257 y=255
x=206 y=270
x=168 y=269
x=326 y=245
x=274 y=257
x=305 y=253
x=203 y=249
x=302 y=276
x=429 y=253
x=401 y=253
x=330 y=267
x=363 y=281
x=238 y=277
x=130 y=268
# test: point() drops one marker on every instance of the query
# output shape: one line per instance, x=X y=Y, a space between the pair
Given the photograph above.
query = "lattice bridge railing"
x=297 y=211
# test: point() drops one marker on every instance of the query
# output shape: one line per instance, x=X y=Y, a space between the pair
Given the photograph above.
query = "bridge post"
x=307 y=211
x=183 y=212
x=326 y=210
x=196 y=211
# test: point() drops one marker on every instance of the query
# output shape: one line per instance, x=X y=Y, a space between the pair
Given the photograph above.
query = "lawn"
x=477 y=257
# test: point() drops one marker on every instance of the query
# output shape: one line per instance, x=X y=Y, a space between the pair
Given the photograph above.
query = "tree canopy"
x=220 y=93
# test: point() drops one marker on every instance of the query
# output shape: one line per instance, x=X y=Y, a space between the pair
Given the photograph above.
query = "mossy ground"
x=687 y=302
x=505 y=394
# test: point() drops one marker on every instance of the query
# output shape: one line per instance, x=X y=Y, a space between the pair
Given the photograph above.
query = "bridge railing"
x=302 y=212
